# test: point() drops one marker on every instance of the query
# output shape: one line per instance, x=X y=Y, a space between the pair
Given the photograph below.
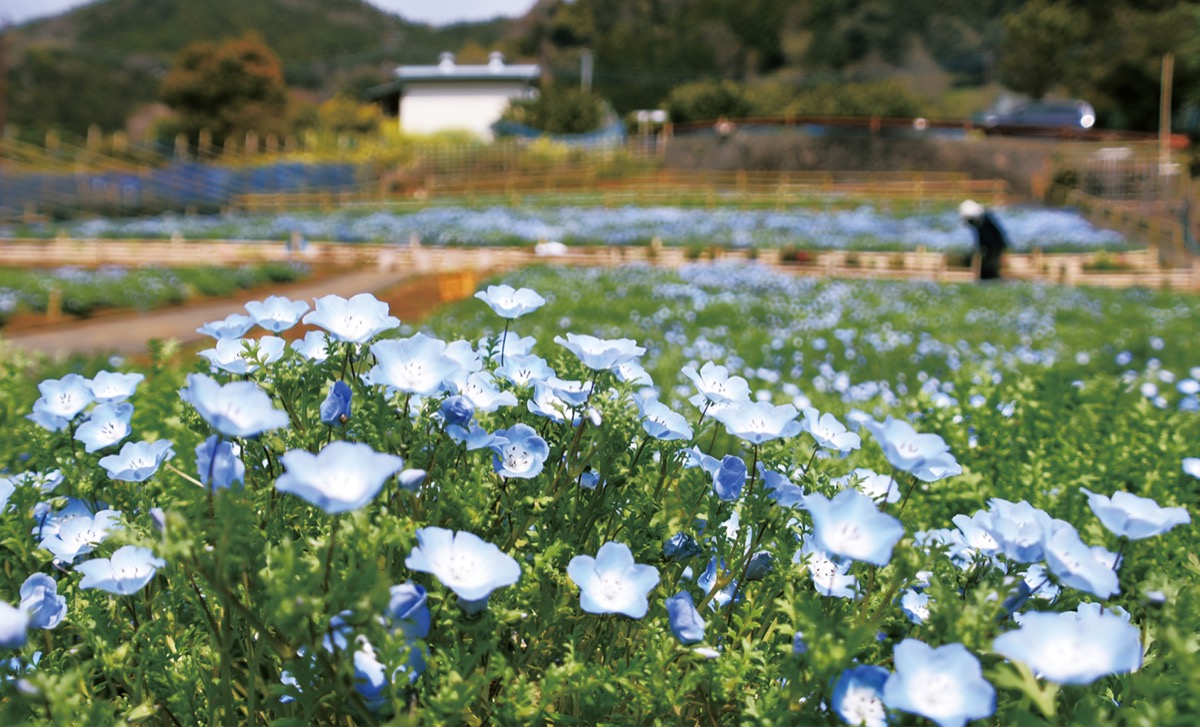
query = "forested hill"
x=103 y=59
x=96 y=63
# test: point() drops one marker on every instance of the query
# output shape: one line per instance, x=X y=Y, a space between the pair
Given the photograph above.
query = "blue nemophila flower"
x=780 y=489
x=407 y=612
x=828 y=432
x=684 y=620
x=411 y=479
x=6 y=490
x=14 y=623
x=573 y=393
x=233 y=325
x=240 y=409
x=137 y=461
x=681 y=546
x=106 y=425
x=662 y=422
x=944 y=685
x=472 y=436
x=44 y=481
x=342 y=477
x=1191 y=466
x=729 y=478
x=356 y=320
x=915 y=606
x=612 y=582
x=480 y=389
x=715 y=386
x=525 y=370
x=547 y=402
x=880 y=488
x=244 y=355
x=40 y=600
x=518 y=451
x=416 y=365
x=599 y=354
x=457 y=410
x=513 y=344
x=74 y=531
x=276 y=313
x=927 y=456
x=128 y=570
x=225 y=469
x=1019 y=529
x=708 y=581
x=509 y=303
x=1133 y=517
x=63 y=398
x=113 y=388
x=336 y=407
x=858 y=696
x=851 y=526
x=314 y=346
x=759 y=421
x=632 y=372
x=830 y=577
x=1088 y=569
x=464 y=563
x=799 y=645
x=761 y=564
x=1073 y=647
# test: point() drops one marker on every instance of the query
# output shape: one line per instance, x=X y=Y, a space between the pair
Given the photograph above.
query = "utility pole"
x=585 y=70
x=3 y=75
x=1164 y=113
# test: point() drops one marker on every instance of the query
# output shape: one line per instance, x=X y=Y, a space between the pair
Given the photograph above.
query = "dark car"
x=1053 y=116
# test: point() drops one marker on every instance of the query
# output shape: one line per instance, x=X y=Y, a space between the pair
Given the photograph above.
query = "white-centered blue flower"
x=1191 y=466
x=416 y=365
x=356 y=320
x=464 y=563
x=342 y=477
x=314 y=346
x=1073 y=647
x=218 y=464
x=518 y=451
x=927 y=456
x=105 y=426
x=944 y=685
x=239 y=409
x=880 y=488
x=128 y=570
x=40 y=599
x=233 y=325
x=759 y=421
x=525 y=370
x=63 y=398
x=244 y=355
x=851 y=526
x=1133 y=517
x=137 y=461
x=662 y=422
x=612 y=582
x=915 y=606
x=828 y=432
x=276 y=313
x=599 y=354
x=1079 y=566
x=830 y=577
x=75 y=531
x=480 y=389
x=14 y=625
x=509 y=303
x=858 y=696
x=715 y=386
x=113 y=388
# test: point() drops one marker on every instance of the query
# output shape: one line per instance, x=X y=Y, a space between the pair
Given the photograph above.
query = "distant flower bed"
x=83 y=291
x=863 y=228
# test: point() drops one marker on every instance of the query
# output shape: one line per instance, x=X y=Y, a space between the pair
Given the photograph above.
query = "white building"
x=452 y=96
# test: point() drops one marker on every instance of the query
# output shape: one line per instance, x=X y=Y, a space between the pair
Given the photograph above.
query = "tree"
x=228 y=88
x=558 y=110
x=1039 y=46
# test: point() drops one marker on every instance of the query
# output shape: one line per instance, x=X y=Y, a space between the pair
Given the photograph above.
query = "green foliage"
x=558 y=110
x=710 y=100
x=1041 y=46
x=228 y=89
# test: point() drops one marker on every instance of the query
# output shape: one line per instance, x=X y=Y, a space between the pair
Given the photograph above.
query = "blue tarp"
x=613 y=133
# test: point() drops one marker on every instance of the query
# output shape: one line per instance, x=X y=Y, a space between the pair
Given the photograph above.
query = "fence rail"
x=1137 y=268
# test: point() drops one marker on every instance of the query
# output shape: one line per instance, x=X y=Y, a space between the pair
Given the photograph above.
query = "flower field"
x=831 y=227
x=717 y=495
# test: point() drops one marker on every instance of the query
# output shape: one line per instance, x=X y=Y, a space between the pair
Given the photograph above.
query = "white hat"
x=970 y=209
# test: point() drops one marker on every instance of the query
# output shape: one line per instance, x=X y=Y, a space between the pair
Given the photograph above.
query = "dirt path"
x=410 y=297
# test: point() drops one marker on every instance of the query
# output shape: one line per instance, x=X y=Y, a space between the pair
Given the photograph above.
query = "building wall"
x=426 y=108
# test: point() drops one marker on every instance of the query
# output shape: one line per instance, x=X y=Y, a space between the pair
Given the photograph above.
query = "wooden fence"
x=1137 y=268
x=675 y=187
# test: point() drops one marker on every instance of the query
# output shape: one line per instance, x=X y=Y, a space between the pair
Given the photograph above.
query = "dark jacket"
x=992 y=243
